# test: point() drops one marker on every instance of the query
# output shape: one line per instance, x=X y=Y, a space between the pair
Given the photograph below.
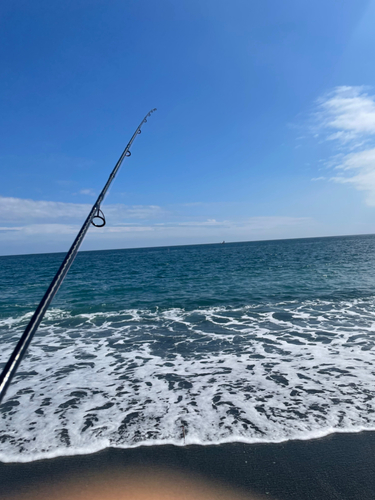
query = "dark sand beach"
x=339 y=466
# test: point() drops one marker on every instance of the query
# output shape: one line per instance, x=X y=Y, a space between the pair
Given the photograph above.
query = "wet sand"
x=340 y=466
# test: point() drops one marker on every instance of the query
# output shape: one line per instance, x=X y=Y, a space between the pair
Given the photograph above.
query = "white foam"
x=130 y=378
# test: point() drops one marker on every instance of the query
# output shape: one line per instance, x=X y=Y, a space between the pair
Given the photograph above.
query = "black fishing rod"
x=95 y=217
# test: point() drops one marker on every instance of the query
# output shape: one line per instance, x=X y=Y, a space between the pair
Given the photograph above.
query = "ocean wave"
x=269 y=373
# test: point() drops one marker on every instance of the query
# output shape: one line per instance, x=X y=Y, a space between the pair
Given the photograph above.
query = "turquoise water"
x=255 y=342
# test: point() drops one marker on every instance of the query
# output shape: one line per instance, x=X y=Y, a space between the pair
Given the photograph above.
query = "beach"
x=339 y=466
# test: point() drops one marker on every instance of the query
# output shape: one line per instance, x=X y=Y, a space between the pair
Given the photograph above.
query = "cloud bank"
x=29 y=226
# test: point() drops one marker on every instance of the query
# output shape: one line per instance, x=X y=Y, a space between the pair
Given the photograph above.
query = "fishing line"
x=95 y=217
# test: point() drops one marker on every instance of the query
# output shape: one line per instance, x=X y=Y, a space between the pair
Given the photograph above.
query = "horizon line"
x=192 y=244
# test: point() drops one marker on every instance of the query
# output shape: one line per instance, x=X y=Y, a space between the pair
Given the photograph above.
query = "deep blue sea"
x=254 y=342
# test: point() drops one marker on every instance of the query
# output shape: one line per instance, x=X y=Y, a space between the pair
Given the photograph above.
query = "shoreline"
x=338 y=466
x=180 y=444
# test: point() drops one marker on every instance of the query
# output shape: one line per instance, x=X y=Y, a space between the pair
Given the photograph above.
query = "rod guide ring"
x=98 y=215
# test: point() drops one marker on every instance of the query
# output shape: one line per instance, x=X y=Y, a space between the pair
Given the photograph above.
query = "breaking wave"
x=257 y=373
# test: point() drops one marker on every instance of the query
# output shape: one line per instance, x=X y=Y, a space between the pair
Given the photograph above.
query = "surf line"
x=95 y=217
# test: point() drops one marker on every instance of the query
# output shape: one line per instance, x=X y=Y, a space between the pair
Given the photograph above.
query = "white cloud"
x=41 y=229
x=17 y=210
x=22 y=210
x=208 y=222
x=346 y=116
x=348 y=113
x=119 y=212
x=358 y=169
x=127 y=229
x=267 y=223
x=212 y=230
x=155 y=226
x=10 y=228
x=250 y=224
x=88 y=192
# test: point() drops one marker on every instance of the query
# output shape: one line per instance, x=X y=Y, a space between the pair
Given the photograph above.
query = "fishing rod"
x=95 y=217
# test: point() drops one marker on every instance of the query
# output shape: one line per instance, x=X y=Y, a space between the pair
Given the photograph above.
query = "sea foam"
x=269 y=373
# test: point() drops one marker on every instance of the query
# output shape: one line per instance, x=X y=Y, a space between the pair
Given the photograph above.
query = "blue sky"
x=265 y=125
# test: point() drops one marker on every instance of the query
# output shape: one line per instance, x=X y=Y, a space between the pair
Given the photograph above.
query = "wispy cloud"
x=88 y=192
x=28 y=211
x=358 y=169
x=121 y=212
x=29 y=226
x=346 y=116
x=208 y=222
x=18 y=210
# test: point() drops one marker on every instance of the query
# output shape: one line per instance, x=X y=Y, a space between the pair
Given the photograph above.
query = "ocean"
x=257 y=342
